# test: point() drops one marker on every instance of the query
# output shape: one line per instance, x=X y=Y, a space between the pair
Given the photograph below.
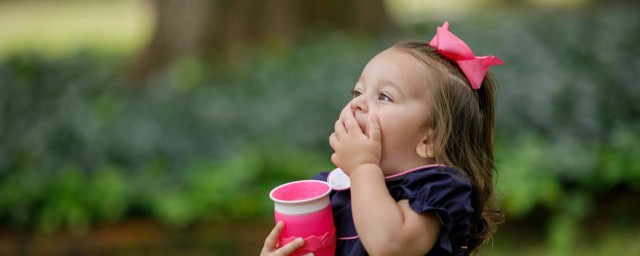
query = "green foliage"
x=80 y=147
x=523 y=182
x=563 y=226
x=233 y=189
x=69 y=198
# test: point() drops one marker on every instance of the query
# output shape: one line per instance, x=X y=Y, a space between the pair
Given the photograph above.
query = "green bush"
x=81 y=146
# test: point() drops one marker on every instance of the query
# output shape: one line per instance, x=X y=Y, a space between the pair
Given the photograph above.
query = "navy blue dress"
x=442 y=190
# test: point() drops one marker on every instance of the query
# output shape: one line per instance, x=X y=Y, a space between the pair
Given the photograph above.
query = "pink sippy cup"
x=305 y=208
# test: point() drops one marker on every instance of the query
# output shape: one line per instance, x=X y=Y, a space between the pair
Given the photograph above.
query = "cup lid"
x=301 y=197
x=338 y=180
x=301 y=191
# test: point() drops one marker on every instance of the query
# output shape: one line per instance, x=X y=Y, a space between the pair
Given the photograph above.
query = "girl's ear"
x=425 y=146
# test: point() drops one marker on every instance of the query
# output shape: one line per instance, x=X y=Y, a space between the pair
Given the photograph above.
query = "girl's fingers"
x=345 y=110
x=290 y=247
x=374 y=128
x=333 y=140
x=350 y=123
x=272 y=240
x=339 y=128
x=334 y=159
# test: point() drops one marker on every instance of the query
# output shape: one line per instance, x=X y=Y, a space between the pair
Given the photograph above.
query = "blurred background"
x=142 y=127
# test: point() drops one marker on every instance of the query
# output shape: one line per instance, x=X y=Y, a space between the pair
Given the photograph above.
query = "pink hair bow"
x=452 y=47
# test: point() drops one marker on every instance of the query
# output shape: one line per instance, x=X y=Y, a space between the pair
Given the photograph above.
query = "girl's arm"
x=384 y=226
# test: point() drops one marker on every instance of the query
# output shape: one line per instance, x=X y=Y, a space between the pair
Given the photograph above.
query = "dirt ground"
x=141 y=237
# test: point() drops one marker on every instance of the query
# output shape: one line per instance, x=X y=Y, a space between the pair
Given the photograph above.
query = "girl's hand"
x=271 y=243
x=352 y=146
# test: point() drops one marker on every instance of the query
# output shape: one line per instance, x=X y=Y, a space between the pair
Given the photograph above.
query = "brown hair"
x=462 y=120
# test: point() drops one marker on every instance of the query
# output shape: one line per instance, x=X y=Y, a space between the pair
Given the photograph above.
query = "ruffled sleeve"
x=447 y=193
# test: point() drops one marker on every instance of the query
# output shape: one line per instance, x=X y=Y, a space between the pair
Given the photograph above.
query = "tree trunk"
x=218 y=30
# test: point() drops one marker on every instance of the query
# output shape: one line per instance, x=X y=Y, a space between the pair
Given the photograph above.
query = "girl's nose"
x=359 y=103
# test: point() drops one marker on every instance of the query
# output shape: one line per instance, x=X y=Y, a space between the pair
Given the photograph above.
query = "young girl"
x=417 y=143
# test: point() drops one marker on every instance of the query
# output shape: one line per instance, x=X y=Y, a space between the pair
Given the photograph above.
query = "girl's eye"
x=384 y=97
x=355 y=93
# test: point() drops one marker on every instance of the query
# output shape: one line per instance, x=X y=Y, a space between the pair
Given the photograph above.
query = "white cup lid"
x=301 y=197
x=338 y=180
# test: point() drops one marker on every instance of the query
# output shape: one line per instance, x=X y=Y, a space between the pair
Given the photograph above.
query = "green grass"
x=55 y=28
x=612 y=240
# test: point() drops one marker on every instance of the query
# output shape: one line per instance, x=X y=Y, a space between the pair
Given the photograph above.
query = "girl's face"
x=391 y=87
